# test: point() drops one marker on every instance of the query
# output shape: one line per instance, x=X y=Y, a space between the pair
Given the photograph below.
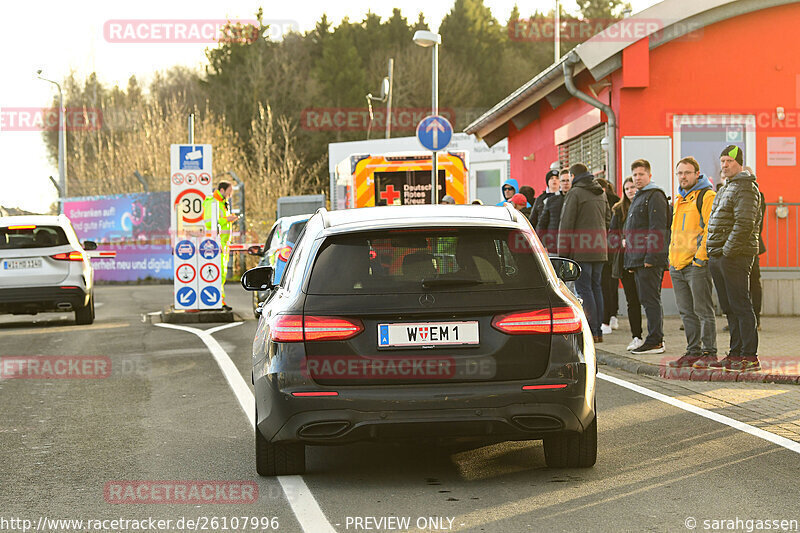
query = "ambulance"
x=402 y=178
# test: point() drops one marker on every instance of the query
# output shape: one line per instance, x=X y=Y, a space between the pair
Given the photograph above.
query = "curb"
x=635 y=366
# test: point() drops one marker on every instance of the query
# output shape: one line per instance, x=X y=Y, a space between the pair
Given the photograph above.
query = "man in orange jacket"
x=688 y=264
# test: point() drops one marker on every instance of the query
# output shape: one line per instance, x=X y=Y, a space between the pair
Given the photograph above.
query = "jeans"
x=634 y=305
x=648 y=283
x=732 y=278
x=755 y=288
x=692 y=286
x=590 y=290
x=610 y=294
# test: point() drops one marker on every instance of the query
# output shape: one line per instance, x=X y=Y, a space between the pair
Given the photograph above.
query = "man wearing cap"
x=552 y=183
x=733 y=229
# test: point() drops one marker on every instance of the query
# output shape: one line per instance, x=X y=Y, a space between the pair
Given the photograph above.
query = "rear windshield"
x=295 y=230
x=26 y=236
x=469 y=259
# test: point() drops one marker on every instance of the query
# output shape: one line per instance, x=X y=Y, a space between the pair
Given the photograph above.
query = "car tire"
x=85 y=315
x=571 y=450
x=281 y=459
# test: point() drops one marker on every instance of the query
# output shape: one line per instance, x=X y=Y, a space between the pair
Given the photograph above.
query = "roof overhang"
x=602 y=55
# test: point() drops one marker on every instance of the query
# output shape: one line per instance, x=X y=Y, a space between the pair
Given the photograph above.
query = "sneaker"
x=605 y=329
x=705 y=360
x=743 y=364
x=597 y=339
x=687 y=359
x=614 y=323
x=726 y=363
x=681 y=328
x=649 y=348
x=635 y=343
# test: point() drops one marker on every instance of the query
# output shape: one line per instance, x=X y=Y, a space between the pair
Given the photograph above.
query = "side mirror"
x=255 y=250
x=257 y=279
x=566 y=269
x=89 y=245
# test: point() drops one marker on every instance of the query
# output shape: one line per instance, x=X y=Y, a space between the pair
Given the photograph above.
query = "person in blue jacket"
x=510 y=188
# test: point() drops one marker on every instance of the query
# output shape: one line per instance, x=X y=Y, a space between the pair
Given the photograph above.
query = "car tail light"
x=68 y=256
x=316 y=393
x=556 y=320
x=284 y=253
x=297 y=328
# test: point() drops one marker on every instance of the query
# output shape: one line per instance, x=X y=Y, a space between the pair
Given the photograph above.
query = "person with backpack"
x=688 y=260
x=646 y=242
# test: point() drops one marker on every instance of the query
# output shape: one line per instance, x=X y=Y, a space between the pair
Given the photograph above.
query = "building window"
x=586 y=149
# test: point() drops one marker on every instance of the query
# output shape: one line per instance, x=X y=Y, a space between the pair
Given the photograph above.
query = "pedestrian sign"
x=434 y=132
x=210 y=296
x=209 y=249
x=185 y=297
x=185 y=273
x=209 y=272
x=184 y=249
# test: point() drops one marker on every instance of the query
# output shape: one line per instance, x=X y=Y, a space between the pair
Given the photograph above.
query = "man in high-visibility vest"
x=217 y=201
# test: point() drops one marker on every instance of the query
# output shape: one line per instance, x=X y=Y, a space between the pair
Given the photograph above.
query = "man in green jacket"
x=224 y=221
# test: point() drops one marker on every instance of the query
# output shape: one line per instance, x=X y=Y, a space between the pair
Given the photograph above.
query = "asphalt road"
x=165 y=415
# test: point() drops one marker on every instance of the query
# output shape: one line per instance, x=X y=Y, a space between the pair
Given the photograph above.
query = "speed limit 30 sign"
x=190 y=166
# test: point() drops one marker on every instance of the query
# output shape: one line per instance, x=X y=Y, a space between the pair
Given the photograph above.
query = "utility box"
x=299 y=205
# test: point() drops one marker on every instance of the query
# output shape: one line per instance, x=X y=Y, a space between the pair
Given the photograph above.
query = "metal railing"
x=781 y=235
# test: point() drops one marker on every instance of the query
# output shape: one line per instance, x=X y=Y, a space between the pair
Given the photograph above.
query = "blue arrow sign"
x=209 y=296
x=186 y=296
x=434 y=132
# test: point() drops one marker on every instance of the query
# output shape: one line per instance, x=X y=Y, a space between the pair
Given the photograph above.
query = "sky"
x=59 y=37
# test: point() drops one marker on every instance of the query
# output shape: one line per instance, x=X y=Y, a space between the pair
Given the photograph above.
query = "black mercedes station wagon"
x=447 y=323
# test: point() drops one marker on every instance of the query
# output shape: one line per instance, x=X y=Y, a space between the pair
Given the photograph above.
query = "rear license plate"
x=427 y=334
x=19 y=264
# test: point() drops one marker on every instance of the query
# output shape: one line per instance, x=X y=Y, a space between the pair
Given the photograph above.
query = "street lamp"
x=427 y=39
x=62 y=140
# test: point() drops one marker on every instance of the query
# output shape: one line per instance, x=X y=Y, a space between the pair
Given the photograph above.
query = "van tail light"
x=68 y=256
x=284 y=253
x=558 y=320
x=298 y=328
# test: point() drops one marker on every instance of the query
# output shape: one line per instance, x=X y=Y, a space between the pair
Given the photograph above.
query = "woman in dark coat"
x=618 y=215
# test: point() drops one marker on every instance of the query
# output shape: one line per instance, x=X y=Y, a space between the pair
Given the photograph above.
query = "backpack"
x=698 y=202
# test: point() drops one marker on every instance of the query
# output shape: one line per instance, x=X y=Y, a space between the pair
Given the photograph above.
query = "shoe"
x=597 y=338
x=705 y=360
x=682 y=328
x=605 y=329
x=614 y=323
x=649 y=348
x=227 y=307
x=635 y=343
x=726 y=328
x=686 y=360
x=734 y=363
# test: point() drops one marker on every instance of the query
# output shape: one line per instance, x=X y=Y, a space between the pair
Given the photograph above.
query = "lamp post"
x=62 y=141
x=427 y=39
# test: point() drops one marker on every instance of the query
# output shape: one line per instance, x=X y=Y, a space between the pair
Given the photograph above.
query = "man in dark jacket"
x=582 y=230
x=551 y=187
x=646 y=236
x=733 y=230
x=551 y=214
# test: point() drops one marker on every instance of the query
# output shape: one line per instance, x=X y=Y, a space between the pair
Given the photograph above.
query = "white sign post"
x=190 y=184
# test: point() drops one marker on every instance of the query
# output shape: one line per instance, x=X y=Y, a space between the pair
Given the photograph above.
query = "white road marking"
x=305 y=507
x=711 y=415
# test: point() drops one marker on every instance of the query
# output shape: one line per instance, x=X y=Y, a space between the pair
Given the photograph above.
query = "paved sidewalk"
x=779 y=352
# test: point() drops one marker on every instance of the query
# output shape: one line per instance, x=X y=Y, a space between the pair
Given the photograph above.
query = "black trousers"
x=634 y=305
x=610 y=294
x=755 y=288
x=732 y=277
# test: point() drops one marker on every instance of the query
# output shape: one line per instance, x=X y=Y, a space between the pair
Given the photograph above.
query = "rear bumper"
x=41 y=299
x=486 y=412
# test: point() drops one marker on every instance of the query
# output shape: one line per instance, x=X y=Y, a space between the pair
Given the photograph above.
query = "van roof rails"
x=323 y=213
x=512 y=211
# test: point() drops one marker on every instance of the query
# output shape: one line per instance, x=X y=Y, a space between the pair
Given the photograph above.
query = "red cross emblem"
x=390 y=195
